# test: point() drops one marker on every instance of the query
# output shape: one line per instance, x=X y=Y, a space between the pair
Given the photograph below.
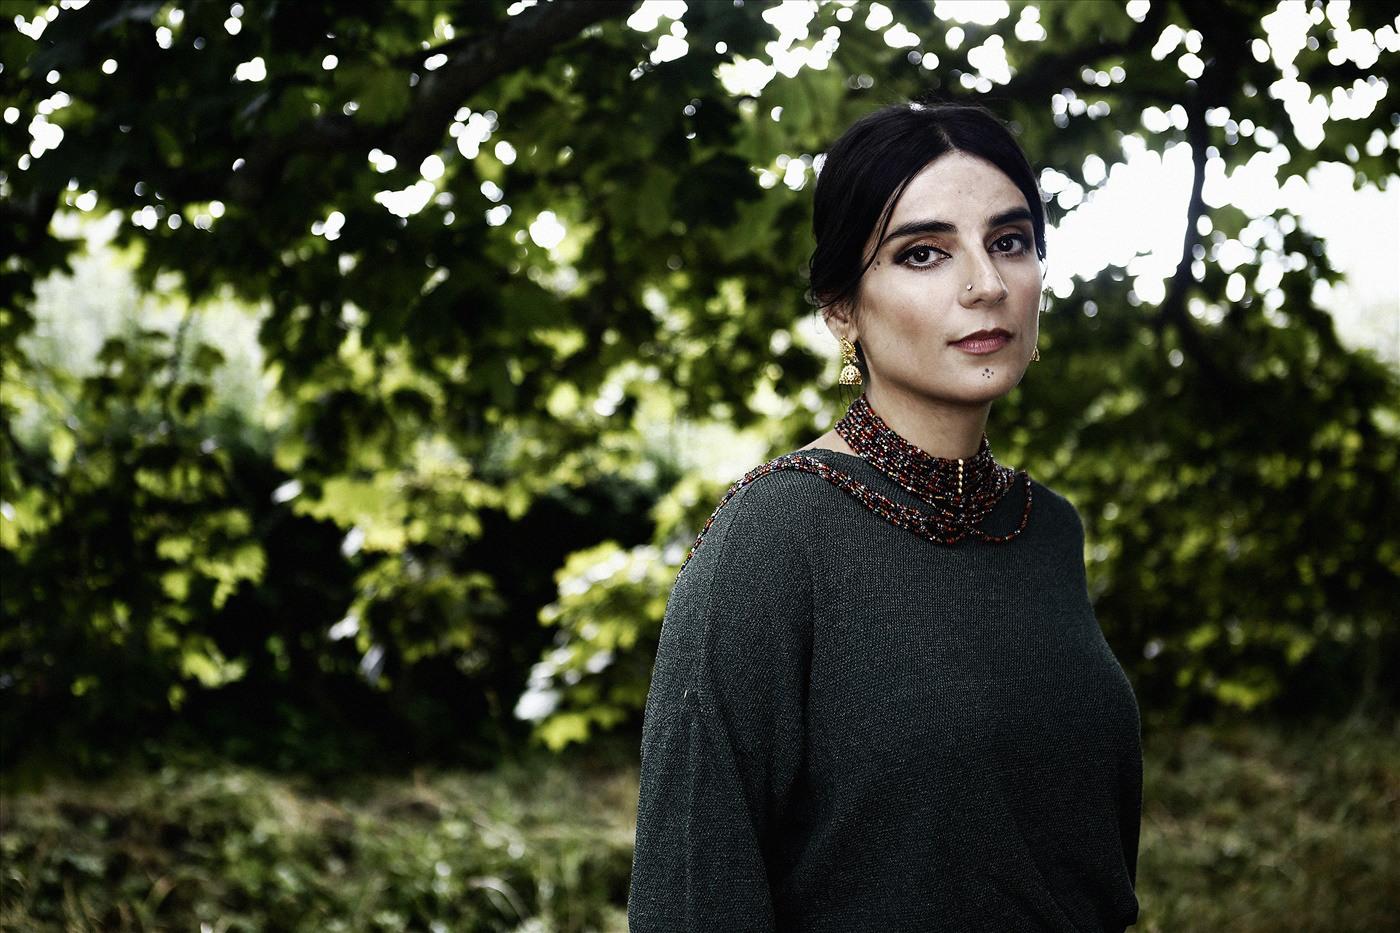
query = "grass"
x=1246 y=827
x=1265 y=828
x=531 y=847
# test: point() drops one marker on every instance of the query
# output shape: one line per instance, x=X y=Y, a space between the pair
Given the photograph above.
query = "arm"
x=1129 y=752
x=723 y=730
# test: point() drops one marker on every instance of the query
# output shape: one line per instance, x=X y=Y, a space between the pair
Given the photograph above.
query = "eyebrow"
x=914 y=227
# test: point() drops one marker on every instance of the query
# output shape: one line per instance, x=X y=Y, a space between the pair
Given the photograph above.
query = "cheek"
x=917 y=302
x=896 y=309
x=1024 y=284
x=1024 y=273
x=912 y=322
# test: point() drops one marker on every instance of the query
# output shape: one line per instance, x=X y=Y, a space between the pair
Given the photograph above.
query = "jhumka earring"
x=1035 y=355
x=850 y=373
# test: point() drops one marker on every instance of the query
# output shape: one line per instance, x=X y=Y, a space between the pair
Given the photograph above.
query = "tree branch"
x=1047 y=70
x=1173 y=308
x=472 y=63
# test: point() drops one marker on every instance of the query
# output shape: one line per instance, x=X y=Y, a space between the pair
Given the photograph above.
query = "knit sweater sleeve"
x=722 y=734
x=1130 y=765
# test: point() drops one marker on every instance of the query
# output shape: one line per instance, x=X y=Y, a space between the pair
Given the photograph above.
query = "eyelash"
x=1023 y=246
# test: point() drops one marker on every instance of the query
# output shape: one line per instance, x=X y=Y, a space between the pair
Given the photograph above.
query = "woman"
x=881 y=699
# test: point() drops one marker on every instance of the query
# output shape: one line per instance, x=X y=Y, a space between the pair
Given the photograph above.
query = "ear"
x=840 y=320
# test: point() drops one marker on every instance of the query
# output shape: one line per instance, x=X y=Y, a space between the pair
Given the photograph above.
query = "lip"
x=983 y=341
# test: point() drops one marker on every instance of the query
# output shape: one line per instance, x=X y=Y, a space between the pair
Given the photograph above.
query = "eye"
x=921 y=256
x=1012 y=243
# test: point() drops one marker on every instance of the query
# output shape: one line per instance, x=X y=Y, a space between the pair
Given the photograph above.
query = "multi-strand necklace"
x=960 y=493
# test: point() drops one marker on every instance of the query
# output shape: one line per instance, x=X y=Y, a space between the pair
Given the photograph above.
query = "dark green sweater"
x=851 y=728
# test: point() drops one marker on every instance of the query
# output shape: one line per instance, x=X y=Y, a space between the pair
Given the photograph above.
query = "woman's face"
x=961 y=221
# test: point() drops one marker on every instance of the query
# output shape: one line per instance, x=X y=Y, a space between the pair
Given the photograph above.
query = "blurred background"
x=369 y=368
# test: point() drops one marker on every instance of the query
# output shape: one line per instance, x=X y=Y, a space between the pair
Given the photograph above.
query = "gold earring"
x=1035 y=355
x=850 y=374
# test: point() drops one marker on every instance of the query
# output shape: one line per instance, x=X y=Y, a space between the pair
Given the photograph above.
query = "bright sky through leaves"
x=1142 y=200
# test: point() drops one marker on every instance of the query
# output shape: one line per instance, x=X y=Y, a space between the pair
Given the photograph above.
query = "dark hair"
x=867 y=170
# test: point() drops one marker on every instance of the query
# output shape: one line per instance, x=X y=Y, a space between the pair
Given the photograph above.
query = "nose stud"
x=969 y=286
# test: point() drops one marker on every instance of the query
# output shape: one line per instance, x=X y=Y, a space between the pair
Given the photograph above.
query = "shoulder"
x=767 y=515
x=1056 y=509
x=1052 y=498
x=752 y=559
x=781 y=493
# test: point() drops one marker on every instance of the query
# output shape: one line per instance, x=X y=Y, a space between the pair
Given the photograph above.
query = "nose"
x=983 y=285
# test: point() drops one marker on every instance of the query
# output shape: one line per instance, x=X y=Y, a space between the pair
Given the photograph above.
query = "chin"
x=992 y=389
x=967 y=389
x=969 y=396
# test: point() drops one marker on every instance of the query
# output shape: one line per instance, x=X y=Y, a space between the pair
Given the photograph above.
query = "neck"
x=937 y=428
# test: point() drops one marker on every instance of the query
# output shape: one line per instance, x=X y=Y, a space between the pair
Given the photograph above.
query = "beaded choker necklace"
x=960 y=493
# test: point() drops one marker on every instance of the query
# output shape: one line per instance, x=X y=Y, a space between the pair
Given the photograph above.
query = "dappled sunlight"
x=1148 y=179
x=546 y=230
x=1142 y=200
x=981 y=12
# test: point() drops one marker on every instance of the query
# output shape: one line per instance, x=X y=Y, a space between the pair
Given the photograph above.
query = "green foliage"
x=265 y=676
x=124 y=536
x=466 y=403
x=607 y=623
x=609 y=599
